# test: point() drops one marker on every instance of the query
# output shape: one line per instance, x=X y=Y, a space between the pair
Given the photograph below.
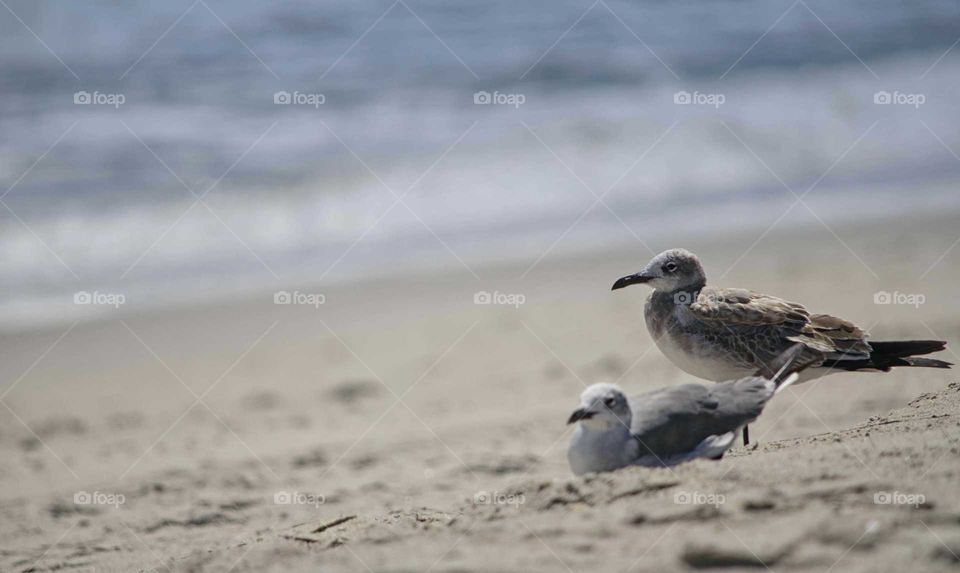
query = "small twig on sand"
x=333 y=523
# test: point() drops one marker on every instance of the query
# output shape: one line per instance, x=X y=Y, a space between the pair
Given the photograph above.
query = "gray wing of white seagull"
x=681 y=423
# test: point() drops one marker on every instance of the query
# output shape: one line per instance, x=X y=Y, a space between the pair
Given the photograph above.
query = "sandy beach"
x=399 y=426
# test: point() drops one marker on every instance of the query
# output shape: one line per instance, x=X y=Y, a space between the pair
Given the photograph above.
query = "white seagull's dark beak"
x=580 y=414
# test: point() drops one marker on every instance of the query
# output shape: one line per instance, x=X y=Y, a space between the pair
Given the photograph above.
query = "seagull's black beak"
x=580 y=414
x=628 y=280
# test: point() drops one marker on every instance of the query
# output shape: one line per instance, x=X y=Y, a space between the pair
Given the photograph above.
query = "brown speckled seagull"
x=727 y=333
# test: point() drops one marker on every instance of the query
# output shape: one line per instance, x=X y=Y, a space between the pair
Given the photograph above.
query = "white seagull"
x=671 y=425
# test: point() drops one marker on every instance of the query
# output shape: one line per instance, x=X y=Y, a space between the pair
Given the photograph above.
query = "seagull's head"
x=669 y=271
x=602 y=406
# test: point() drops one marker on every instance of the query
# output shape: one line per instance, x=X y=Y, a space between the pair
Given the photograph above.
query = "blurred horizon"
x=119 y=116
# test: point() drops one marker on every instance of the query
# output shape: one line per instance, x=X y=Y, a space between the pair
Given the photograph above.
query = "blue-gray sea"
x=500 y=124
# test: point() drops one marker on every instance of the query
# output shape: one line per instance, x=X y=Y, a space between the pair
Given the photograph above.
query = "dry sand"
x=468 y=471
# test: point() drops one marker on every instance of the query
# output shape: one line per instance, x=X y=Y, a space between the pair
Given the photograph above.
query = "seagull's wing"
x=711 y=447
x=836 y=337
x=741 y=401
x=681 y=422
x=741 y=306
x=771 y=325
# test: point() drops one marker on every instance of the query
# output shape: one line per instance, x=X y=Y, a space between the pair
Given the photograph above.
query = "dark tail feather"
x=905 y=348
x=886 y=355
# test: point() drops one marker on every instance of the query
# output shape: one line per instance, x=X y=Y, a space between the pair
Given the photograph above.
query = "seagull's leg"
x=746 y=436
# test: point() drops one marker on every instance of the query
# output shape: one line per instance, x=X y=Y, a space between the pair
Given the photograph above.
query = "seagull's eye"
x=609 y=402
x=670 y=267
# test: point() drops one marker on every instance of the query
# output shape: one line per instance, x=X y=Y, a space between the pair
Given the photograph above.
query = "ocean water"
x=387 y=99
